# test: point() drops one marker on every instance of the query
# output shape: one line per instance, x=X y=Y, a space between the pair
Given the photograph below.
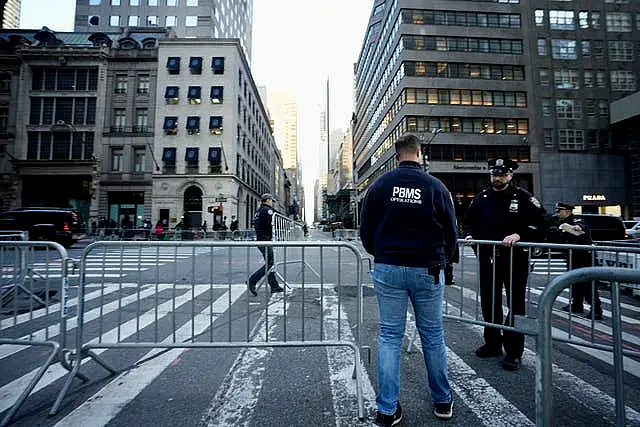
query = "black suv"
x=59 y=225
x=604 y=227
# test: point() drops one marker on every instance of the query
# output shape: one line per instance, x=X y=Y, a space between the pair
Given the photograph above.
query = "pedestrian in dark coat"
x=262 y=221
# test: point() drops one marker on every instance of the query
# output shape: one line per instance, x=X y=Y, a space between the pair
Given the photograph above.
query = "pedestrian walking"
x=508 y=214
x=408 y=224
x=574 y=231
x=262 y=222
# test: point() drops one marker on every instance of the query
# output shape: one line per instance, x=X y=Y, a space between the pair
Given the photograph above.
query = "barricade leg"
x=55 y=348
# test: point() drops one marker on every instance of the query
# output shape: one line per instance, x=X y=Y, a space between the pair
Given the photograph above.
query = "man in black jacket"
x=264 y=232
x=574 y=231
x=408 y=224
x=508 y=214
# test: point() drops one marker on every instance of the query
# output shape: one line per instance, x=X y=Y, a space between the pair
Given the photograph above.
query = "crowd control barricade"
x=34 y=284
x=286 y=229
x=345 y=234
x=245 y=234
x=196 y=297
x=543 y=383
x=546 y=261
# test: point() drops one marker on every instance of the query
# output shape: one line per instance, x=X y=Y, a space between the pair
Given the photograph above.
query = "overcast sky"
x=297 y=45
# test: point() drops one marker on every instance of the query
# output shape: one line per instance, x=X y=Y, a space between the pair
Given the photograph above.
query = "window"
x=603 y=107
x=194 y=95
x=566 y=79
x=172 y=3
x=595 y=20
x=539 y=17
x=217 y=94
x=114 y=21
x=590 y=107
x=115 y=2
x=152 y=20
x=547 y=107
x=144 y=82
x=134 y=21
x=138 y=159
x=561 y=20
x=153 y=3
x=623 y=80
x=583 y=19
x=548 y=138
x=117 y=154
x=621 y=50
x=217 y=64
x=134 y=2
x=563 y=49
x=193 y=125
x=171 y=21
x=173 y=64
x=543 y=76
x=585 y=47
x=170 y=125
x=5 y=83
x=192 y=3
x=215 y=125
x=4 y=120
x=542 y=47
x=94 y=2
x=119 y=119
x=172 y=94
x=142 y=120
x=191 y=21
x=215 y=157
x=570 y=139
x=121 y=83
x=588 y=79
x=619 y=22
x=191 y=155
x=601 y=81
x=195 y=64
x=169 y=160
x=94 y=20
x=568 y=109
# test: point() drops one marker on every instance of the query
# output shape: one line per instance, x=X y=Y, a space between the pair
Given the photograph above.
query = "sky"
x=297 y=46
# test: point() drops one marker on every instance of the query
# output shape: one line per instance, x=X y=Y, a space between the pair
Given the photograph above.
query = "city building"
x=212 y=135
x=478 y=80
x=10 y=14
x=625 y=129
x=283 y=111
x=188 y=18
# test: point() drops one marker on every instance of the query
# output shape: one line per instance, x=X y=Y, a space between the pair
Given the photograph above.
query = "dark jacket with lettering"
x=408 y=219
x=262 y=222
x=494 y=215
x=578 y=258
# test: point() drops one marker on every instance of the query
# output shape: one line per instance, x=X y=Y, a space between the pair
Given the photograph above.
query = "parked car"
x=604 y=227
x=634 y=231
x=61 y=225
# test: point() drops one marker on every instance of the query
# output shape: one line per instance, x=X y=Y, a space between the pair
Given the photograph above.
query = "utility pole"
x=328 y=154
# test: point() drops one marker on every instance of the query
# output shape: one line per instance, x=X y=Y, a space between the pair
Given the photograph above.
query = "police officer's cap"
x=564 y=206
x=501 y=166
x=266 y=196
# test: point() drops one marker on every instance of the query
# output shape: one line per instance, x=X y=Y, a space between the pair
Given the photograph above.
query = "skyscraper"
x=283 y=110
x=188 y=18
x=485 y=79
x=10 y=14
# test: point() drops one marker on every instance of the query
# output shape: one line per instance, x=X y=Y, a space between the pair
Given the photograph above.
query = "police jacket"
x=578 y=258
x=494 y=215
x=262 y=222
x=408 y=219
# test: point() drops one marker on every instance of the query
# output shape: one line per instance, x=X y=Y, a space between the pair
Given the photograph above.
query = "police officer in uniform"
x=508 y=214
x=576 y=232
x=264 y=231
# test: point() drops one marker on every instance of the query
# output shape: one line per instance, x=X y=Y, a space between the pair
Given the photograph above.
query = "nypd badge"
x=513 y=207
x=270 y=211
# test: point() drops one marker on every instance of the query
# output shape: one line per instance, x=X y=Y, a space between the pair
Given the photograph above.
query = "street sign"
x=221 y=199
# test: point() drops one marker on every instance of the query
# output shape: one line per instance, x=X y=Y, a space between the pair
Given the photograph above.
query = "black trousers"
x=581 y=292
x=267 y=253
x=511 y=277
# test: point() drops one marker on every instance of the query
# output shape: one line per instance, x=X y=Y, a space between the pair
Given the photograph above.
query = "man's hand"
x=511 y=239
x=469 y=243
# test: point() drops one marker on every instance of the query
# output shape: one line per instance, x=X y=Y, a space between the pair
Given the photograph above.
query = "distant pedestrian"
x=264 y=231
x=408 y=224
x=234 y=223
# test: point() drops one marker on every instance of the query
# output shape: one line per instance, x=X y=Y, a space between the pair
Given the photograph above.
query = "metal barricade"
x=34 y=283
x=544 y=387
x=286 y=229
x=345 y=234
x=201 y=301
x=246 y=234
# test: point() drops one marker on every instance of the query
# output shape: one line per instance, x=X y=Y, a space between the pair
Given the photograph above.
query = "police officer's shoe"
x=252 y=288
x=597 y=316
x=574 y=309
x=277 y=289
x=511 y=363
x=389 y=420
x=487 y=351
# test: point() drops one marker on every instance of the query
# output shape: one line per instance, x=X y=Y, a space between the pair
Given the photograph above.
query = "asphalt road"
x=155 y=294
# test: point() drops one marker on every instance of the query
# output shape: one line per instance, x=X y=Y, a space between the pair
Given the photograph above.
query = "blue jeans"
x=267 y=254
x=394 y=285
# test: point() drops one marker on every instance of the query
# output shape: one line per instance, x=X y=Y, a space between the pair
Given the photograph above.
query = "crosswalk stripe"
x=56 y=371
x=103 y=406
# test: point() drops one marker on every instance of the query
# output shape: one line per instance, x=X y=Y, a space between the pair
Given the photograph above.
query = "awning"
x=217 y=94
x=191 y=155
x=195 y=64
x=194 y=92
x=173 y=63
x=169 y=154
x=170 y=122
x=193 y=122
x=215 y=155
x=172 y=92
x=217 y=64
x=215 y=122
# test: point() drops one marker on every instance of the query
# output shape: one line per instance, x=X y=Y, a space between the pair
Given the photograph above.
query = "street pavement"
x=290 y=386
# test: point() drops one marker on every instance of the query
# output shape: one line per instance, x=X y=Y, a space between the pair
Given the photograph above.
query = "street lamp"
x=427 y=146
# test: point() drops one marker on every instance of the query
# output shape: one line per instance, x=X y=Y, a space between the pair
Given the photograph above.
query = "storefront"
x=123 y=203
